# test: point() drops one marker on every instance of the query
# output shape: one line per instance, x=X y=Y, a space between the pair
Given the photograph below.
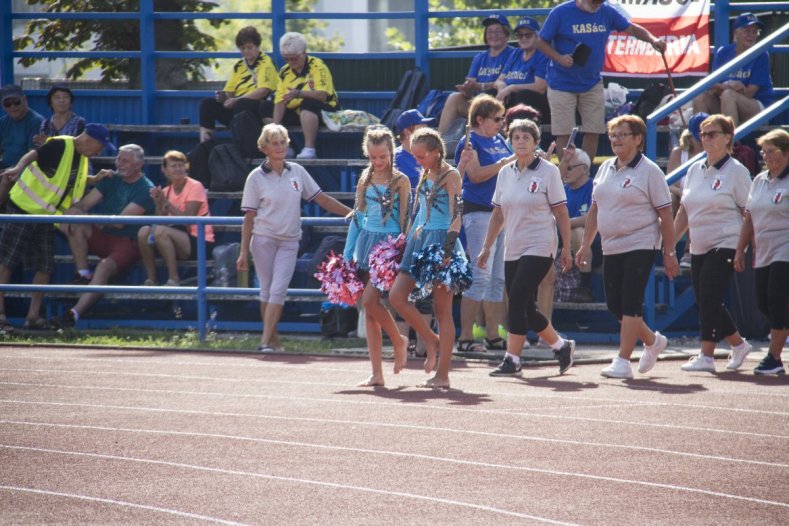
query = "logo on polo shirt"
x=294 y=183
x=627 y=182
x=716 y=184
x=534 y=185
x=779 y=196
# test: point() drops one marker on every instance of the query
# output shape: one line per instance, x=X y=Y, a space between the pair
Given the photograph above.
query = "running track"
x=152 y=437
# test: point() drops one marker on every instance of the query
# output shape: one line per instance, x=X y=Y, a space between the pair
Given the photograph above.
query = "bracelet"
x=669 y=254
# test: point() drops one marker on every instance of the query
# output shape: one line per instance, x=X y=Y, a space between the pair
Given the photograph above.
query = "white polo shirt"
x=527 y=199
x=627 y=204
x=714 y=198
x=768 y=204
x=277 y=199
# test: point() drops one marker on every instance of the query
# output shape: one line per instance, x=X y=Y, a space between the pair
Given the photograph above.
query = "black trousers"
x=211 y=111
x=711 y=273
x=625 y=276
x=772 y=293
x=291 y=117
x=522 y=279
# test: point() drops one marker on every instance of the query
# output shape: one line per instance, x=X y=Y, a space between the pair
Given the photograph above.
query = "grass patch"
x=181 y=340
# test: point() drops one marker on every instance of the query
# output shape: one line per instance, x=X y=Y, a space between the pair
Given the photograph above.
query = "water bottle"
x=151 y=238
x=224 y=277
x=674 y=132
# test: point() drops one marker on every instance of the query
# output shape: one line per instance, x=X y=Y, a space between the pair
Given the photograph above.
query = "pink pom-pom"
x=339 y=280
x=385 y=260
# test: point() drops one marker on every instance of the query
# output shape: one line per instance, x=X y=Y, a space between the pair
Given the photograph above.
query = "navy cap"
x=528 y=23
x=495 y=18
x=411 y=118
x=694 y=124
x=11 y=90
x=747 y=19
x=100 y=133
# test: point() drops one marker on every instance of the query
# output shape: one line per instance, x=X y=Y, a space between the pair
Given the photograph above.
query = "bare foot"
x=373 y=381
x=435 y=383
x=430 y=360
x=400 y=354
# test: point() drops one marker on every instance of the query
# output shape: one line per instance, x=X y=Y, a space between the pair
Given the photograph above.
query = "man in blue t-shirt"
x=126 y=193
x=746 y=91
x=17 y=128
x=406 y=124
x=574 y=37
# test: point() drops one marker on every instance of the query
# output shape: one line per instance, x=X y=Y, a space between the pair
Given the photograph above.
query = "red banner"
x=682 y=24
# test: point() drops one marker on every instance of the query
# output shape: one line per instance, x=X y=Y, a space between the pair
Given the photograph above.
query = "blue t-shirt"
x=117 y=195
x=580 y=199
x=489 y=150
x=566 y=27
x=518 y=71
x=486 y=68
x=755 y=72
x=16 y=137
x=406 y=163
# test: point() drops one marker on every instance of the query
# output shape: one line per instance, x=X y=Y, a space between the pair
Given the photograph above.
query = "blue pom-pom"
x=427 y=269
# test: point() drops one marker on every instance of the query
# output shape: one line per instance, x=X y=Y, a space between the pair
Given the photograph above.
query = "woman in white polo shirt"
x=271 y=203
x=766 y=224
x=714 y=194
x=631 y=206
x=528 y=202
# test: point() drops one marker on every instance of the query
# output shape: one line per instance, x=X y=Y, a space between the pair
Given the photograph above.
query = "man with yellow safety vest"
x=46 y=181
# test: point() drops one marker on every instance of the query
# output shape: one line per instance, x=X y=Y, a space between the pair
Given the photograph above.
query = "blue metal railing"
x=200 y=292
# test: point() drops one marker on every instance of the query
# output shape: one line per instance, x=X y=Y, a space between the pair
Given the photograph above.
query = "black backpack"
x=198 y=162
x=228 y=168
x=245 y=129
x=412 y=89
x=649 y=99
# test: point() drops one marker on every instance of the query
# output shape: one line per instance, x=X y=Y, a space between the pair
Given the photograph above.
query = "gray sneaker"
x=565 y=355
x=507 y=368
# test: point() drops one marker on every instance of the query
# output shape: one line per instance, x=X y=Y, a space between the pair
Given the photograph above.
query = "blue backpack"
x=433 y=103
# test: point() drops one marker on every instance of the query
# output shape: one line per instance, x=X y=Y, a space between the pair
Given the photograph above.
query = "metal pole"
x=147 y=61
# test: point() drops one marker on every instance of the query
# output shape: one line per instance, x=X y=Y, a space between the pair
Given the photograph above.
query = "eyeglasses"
x=769 y=152
x=12 y=102
x=497 y=119
x=521 y=36
x=711 y=134
x=618 y=136
x=496 y=32
x=293 y=58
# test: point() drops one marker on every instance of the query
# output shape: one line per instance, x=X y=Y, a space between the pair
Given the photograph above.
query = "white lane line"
x=521 y=413
x=295 y=480
x=286 y=382
x=120 y=503
x=247 y=362
x=432 y=429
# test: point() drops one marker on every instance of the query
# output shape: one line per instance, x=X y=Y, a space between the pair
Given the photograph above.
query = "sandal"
x=37 y=324
x=469 y=346
x=496 y=344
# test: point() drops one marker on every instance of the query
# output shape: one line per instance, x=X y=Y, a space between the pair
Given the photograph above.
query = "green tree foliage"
x=121 y=35
x=462 y=31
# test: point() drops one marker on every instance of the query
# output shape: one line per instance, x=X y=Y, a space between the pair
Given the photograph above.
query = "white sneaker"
x=700 y=362
x=650 y=354
x=307 y=153
x=736 y=357
x=619 y=368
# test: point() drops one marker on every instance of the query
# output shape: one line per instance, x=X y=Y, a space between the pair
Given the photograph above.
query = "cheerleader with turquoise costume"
x=380 y=212
x=437 y=224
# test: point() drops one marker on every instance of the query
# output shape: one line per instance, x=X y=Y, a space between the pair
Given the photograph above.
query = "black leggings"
x=625 y=276
x=211 y=111
x=711 y=273
x=522 y=278
x=772 y=293
x=291 y=117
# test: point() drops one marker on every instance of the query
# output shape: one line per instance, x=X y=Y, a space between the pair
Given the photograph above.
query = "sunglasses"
x=12 y=102
x=710 y=134
x=496 y=119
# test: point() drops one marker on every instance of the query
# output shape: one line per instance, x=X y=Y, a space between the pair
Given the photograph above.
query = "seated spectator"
x=254 y=78
x=63 y=120
x=126 y=193
x=485 y=69
x=17 y=128
x=522 y=81
x=575 y=168
x=64 y=161
x=183 y=196
x=305 y=89
x=746 y=91
x=576 y=60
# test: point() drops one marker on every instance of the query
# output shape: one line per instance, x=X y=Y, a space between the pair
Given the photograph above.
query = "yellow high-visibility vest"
x=37 y=194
